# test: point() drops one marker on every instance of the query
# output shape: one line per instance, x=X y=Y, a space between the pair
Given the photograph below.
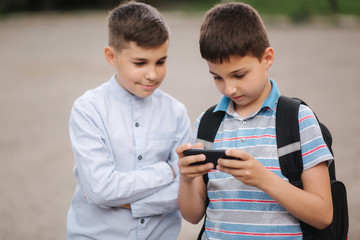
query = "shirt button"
x=139 y=157
x=142 y=221
x=137 y=124
x=244 y=122
x=243 y=139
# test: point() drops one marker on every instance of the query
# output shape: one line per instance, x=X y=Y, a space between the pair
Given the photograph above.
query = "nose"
x=229 y=89
x=151 y=74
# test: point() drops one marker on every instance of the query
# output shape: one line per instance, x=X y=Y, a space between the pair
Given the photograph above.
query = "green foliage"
x=290 y=7
x=298 y=10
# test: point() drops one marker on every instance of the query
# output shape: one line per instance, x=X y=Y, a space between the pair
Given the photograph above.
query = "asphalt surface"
x=48 y=60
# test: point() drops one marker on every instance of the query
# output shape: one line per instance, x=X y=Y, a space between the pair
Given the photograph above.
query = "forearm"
x=113 y=188
x=307 y=206
x=192 y=203
x=161 y=202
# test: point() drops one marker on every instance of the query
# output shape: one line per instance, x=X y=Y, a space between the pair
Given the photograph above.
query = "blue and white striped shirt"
x=238 y=211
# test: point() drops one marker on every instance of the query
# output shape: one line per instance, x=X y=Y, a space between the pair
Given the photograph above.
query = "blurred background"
x=298 y=10
x=51 y=52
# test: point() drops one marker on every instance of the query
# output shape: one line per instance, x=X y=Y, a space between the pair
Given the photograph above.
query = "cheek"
x=162 y=72
x=220 y=86
x=257 y=79
x=132 y=73
x=163 y=68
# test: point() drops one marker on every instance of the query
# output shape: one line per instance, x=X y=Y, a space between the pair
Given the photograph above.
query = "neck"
x=254 y=106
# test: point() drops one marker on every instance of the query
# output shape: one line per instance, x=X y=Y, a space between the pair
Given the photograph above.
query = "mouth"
x=148 y=87
x=236 y=98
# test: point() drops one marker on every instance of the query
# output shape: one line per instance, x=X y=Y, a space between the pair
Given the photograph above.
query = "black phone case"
x=212 y=155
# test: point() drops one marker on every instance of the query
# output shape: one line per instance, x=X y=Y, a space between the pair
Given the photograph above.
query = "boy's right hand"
x=187 y=172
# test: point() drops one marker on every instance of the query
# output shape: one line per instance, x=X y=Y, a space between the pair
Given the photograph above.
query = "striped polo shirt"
x=238 y=211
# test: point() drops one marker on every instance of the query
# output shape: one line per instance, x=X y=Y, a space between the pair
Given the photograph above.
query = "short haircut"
x=232 y=29
x=137 y=22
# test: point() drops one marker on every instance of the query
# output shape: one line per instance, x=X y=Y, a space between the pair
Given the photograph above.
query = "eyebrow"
x=145 y=60
x=163 y=58
x=235 y=71
x=213 y=73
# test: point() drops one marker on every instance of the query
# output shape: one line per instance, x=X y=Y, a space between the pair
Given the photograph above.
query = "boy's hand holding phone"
x=187 y=170
x=249 y=171
x=195 y=161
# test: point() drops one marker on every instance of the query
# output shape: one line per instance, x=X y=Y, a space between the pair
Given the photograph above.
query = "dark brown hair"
x=232 y=29
x=137 y=22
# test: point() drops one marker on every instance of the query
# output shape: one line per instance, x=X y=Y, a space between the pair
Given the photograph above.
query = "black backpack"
x=288 y=136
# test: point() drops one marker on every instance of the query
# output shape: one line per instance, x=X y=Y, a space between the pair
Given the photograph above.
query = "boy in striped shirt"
x=250 y=198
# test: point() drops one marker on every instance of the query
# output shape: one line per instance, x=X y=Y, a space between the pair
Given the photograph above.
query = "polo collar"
x=270 y=101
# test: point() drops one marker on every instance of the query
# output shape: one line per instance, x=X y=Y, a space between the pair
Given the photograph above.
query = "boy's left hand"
x=127 y=206
x=247 y=170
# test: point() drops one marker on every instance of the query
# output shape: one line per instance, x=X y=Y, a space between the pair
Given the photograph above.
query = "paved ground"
x=47 y=61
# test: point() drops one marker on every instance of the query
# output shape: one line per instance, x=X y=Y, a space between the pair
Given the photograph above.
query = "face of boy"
x=245 y=80
x=139 y=70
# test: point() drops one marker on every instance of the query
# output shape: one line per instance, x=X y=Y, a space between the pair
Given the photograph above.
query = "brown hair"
x=138 y=22
x=232 y=29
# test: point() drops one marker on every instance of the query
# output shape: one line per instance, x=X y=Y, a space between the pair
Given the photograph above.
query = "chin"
x=144 y=94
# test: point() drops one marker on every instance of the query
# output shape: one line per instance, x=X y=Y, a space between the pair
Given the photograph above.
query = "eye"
x=239 y=76
x=217 y=77
x=161 y=62
x=139 y=63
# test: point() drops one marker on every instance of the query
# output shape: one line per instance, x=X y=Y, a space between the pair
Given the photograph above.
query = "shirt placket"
x=241 y=132
x=141 y=228
x=138 y=126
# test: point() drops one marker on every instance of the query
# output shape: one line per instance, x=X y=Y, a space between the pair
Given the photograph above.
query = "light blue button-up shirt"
x=123 y=146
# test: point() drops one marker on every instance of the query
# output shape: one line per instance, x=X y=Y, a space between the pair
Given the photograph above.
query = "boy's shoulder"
x=165 y=98
x=92 y=96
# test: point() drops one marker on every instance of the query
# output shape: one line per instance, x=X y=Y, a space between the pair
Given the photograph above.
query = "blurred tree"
x=7 y=6
x=334 y=6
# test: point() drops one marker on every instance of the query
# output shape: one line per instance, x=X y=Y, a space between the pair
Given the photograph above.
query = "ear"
x=268 y=56
x=110 y=55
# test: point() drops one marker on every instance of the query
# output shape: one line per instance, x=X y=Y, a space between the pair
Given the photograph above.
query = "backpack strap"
x=289 y=146
x=209 y=125
x=288 y=139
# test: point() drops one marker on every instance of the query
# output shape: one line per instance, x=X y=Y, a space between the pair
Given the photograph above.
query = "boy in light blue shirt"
x=124 y=136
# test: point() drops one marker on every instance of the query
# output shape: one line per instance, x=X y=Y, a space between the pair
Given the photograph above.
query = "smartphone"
x=212 y=155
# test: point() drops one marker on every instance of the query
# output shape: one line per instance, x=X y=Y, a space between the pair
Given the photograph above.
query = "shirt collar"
x=273 y=97
x=118 y=91
x=270 y=101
